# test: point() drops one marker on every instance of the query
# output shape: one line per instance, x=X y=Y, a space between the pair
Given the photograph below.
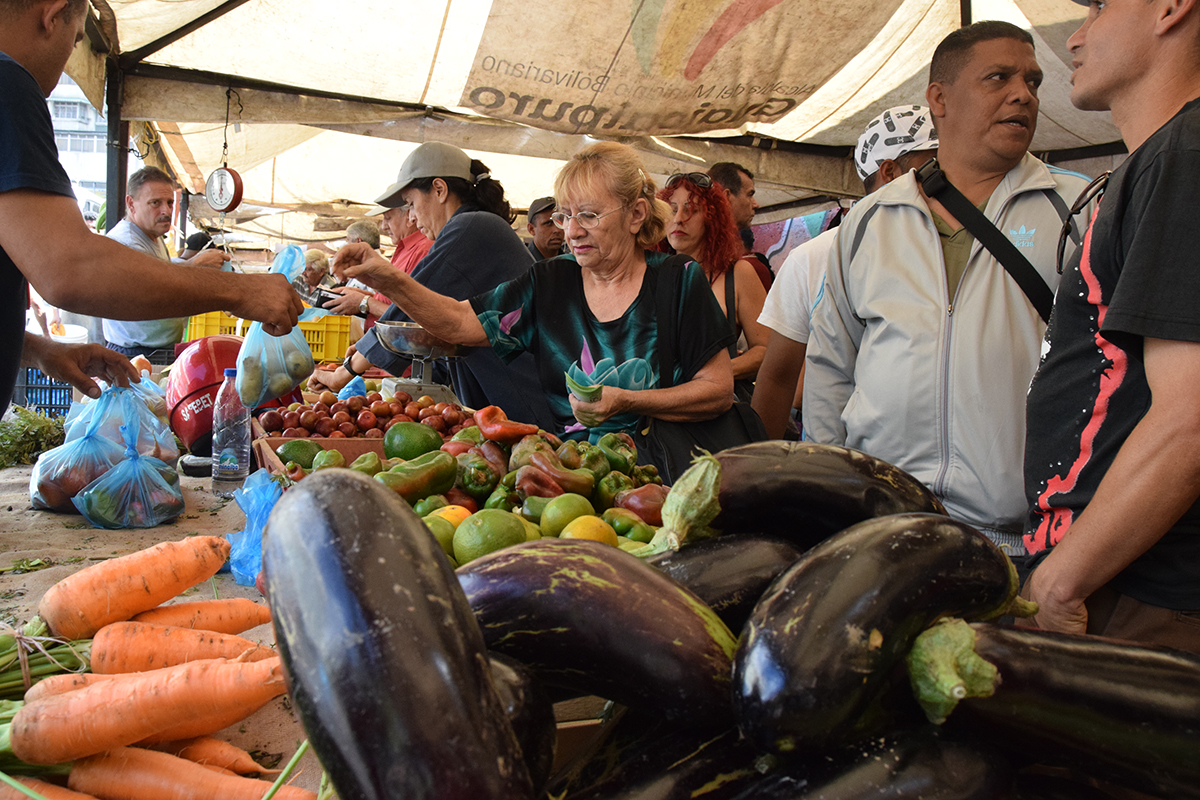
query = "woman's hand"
x=361 y=261
x=612 y=401
x=349 y=301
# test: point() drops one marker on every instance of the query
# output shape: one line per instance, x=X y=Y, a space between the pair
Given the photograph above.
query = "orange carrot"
x=81 y=604
x=202 y=727
x=49 y=791
x=57 y=684
x=130 y=773
x=130 y=708
x=236 y=615
x=207 y=750
x=142 y=646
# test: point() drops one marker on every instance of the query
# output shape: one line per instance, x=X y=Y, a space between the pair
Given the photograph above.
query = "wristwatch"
x=363 y=307
x=349 y=367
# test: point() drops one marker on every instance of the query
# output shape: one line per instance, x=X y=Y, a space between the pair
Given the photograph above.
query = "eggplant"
x=806 y=492
x=922 y=764
x=817 y=664
x=531 y=713
x=729 y=573
x=1125 y=712
x=385 y=662
x=590 y=618
x=639 y=758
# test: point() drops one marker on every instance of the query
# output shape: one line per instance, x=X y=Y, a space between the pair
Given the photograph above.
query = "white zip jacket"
x=931 y=383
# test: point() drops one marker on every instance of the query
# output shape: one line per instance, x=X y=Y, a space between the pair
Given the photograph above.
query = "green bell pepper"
x=368 y=464
x=609 y=487
x=328 y=458
x=569 y=454
x=628 y=524
x=533 y=507
x=420 y=477
x=645 y=474
x=592 y=459
x=476 y=476
x=428 y=505
x=620 y=451
x=472 y=434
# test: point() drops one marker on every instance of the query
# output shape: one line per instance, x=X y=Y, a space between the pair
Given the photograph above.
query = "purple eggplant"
x=385 y=662
x=531 y=713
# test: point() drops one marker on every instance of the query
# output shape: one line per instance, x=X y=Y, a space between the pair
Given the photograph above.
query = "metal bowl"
x=410 y=339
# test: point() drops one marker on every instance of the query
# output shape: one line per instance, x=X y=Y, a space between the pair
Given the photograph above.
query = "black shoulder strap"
x=670 y=275
x=935 y=184
x=731 y=308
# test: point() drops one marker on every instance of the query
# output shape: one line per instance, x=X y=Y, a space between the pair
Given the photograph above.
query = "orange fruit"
x=590 y=527
x=452 y=514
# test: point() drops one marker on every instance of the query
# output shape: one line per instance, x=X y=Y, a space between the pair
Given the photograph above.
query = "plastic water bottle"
x=231 y=439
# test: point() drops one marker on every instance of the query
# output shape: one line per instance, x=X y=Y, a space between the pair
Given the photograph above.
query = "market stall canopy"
x=328 y=97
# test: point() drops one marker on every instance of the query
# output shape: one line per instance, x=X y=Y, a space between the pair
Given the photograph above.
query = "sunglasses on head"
x=698 y=178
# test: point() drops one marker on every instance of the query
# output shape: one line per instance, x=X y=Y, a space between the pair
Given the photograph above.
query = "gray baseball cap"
x=429 y=160
x=540 y=205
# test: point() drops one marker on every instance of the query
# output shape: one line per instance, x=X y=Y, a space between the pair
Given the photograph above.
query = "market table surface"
x=69 y=544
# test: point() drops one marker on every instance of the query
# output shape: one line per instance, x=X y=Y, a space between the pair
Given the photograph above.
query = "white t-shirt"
x=797 y=286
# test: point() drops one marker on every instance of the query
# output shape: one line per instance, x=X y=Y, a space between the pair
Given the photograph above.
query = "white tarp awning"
x=330 y=96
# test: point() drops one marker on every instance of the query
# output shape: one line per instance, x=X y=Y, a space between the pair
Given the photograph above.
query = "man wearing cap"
x=897 y=141
x=922 y=345
x=1112 y=460
x=548 y=240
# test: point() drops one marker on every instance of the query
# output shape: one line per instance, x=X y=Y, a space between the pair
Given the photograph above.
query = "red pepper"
x=645 y=501
x=554 y=441
x=495 y=456
x=579 y=481
x=457 y=497
x=456 y=449
x=497 y=427
x=532 y=482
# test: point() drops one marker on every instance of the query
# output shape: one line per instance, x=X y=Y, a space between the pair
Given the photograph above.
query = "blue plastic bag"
x=355 y=388
x=257 y=497
x=271 y=366
x=153 y=436
x=64 y=471
x=140 y=492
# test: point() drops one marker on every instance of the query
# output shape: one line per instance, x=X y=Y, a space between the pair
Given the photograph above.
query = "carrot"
x=200 y=727
x=142 y=646
x=130 y=773
x=81 y=604
x=49 y=791
x=58 y=684
x=207 y=750
x=236 y=615
x=130 y=708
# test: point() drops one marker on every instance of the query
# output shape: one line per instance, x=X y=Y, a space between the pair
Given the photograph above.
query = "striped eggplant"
x=729 y=573
x=806 y=492
x=816 y=664
x=385 y=662
x=591 y=618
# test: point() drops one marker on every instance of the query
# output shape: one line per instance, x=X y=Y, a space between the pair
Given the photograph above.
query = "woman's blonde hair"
x=618 y=168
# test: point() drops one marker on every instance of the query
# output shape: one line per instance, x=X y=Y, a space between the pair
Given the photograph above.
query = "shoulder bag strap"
x=731 y=308
x=935 y=184
x=665 y=293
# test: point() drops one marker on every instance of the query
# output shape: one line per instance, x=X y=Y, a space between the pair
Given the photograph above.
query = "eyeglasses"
x=586 y=219
x=1091 y=192
x=698 y=178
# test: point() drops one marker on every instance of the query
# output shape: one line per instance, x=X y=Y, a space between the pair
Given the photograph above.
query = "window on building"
x=79 y=142
x=66 y=110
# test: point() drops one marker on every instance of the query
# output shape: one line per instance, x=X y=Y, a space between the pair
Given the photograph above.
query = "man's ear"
x=1173 y=13
x=128 y=205
x=889 y=170
x=935 y=97
x=52 y=14
x=529 y=225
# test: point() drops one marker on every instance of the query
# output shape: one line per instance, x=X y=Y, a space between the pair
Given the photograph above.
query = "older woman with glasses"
x=702 y=228
x=591 y=316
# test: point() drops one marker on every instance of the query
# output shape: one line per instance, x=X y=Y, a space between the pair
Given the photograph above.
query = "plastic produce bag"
x=64 y=471
x=140 y=492
x=154 y=396
x=357 y=387
x=257 y=497
x=154 y=437
x=271 y=366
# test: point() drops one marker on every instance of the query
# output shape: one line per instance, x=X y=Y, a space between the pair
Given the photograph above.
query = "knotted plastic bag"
x=256 y=498
x=271 y=366
x=153 y=436
x=140 y=492
x=64 y=471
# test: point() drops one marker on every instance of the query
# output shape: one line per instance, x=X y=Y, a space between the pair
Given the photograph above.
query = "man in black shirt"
x=1112 y=461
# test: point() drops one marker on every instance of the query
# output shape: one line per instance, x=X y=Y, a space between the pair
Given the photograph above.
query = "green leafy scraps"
x=26 y=435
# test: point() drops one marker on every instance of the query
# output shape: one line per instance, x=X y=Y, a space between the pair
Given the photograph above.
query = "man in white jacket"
x=922 y=345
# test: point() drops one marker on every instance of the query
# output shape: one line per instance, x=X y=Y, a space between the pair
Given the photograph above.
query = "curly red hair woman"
x=702 y=227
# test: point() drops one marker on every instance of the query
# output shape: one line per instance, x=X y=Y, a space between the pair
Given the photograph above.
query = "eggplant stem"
x=944 y=669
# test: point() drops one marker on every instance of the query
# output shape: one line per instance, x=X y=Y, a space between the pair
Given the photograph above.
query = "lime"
x=408 y=440
x=443 y=531
x=485 y=531
x=532 y=531
x=561 y=510
x=302 y=451
x=590 y=527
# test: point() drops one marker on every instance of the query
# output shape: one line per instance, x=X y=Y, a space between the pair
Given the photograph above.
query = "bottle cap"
x=230 y=372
